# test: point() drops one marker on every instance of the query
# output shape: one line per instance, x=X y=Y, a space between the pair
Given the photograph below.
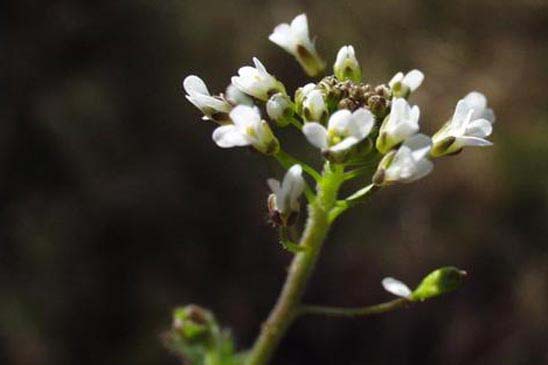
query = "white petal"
x=306 y=89
x=363 y=121
x=259 y=66
x=342 y=55
x=476 y=100
x=472 y=141
x=237 y=97
x=293 y=185
x=211 y=102
x=460 y=117
x=247 y=72
x=316 y=134
x=489 y=114
x=244 y=116
x=195 y=85
x=229 y=136
x=315 y=103
x=397 y=78
x=299 y=27
x=194 y=102
x=413 y=79
x=419 y=144
x=479 y=128
x=344 y=144
x=422 y=168
x=282 y=37
x=339 y=120
x=274 y=185
x=396 y=287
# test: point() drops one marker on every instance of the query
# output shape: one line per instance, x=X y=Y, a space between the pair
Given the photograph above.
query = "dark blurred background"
x=115 y=205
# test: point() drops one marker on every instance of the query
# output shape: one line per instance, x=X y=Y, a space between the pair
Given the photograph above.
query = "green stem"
x=355 y=312
x=286 y=160
x=296 y=123
x=286 y=308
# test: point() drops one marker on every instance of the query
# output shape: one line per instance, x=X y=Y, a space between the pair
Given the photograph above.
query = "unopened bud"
x=314 y=107
x=193 y=323
x=280 y=109
x=438 y=282
x=378 y=105
x=300 y=94
x=346 y=66
x=379 y=176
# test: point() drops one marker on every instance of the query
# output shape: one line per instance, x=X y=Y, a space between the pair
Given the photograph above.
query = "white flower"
x=248 y=129
x=344 y=130
x=346 y=66
x=403 y=86
x=400 y=124
x=314 y=107
x=235 y=97
x=279 y=109
x=478 y=102
x=283 y=203
x=214 y=108
x=295 y=40
x=257 y=82
x=396 y=287
x=469 y=126
x=409 y=163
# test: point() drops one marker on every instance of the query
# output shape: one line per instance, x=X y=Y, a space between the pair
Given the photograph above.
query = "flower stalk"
x=288 y=304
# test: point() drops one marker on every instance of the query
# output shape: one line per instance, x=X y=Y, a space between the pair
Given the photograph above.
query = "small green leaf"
x=291 y=246
x=438 y=282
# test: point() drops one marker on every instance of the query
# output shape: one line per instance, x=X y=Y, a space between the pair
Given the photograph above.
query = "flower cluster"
x=360 y=131
x=351 y=122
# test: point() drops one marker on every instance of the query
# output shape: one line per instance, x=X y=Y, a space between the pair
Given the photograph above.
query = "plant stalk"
x=355 y=312
x=287 y=306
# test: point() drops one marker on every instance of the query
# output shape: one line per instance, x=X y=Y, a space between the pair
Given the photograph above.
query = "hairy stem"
x=355 y=312
x=287 y=306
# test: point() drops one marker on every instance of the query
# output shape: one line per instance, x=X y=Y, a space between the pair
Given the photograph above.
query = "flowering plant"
x=363 y=132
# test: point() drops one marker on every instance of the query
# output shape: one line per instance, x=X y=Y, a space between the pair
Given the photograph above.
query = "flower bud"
x=280 y=109
x=314 y=107
x=193 y=323
x=295 y=39
x=378 y=105
x=438 y=282
x=257 y=82
x=407 y=164
x=403 y=85
x=346 y=66
x=300 y=94
x=283 y=203
x=400 y=124
x=215 y=108
x=247 y=129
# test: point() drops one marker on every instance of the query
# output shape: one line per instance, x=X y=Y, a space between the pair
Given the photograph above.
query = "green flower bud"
x=280 y=109
x=193 y=323
x=438 y=282
x=346 y=66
